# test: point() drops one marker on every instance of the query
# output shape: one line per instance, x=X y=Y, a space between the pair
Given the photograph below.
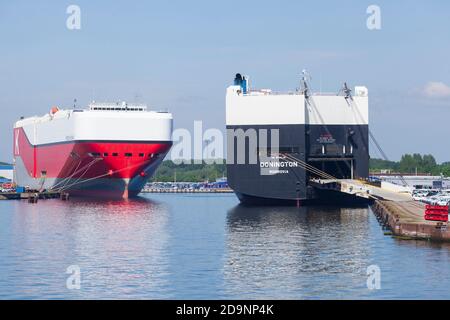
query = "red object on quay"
x=436 y=213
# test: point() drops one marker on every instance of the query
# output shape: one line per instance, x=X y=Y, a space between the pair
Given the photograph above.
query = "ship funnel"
x=241 y=81
x=238 y=79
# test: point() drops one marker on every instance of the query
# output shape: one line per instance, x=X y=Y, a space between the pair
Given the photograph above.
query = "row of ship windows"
x=127 y=154
x=119 y=109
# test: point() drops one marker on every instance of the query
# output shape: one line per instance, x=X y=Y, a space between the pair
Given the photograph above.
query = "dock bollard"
x=64 y=196
x=33 y=198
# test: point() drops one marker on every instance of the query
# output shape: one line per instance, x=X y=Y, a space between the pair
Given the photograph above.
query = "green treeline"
x=409 y=163
x=169 y=172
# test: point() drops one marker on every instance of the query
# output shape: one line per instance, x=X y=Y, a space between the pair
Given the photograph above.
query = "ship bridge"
x=118 y=106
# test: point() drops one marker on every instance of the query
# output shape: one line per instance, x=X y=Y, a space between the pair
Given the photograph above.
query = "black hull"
x=343 y=155
x=323 y=198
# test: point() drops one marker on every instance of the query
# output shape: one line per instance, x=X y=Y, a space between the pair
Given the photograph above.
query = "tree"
x=445 y=169
x=407 y=163
x=429 y=164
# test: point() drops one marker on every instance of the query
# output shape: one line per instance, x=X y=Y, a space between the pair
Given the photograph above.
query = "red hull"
x=85 y=161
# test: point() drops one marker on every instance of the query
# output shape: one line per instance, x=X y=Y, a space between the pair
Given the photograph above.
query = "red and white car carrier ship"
x=109 y=149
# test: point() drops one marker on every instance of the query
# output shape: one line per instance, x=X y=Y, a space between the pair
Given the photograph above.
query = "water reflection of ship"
x=116 y=242
x=305 y=218
x=137 y=205
x=281 y=248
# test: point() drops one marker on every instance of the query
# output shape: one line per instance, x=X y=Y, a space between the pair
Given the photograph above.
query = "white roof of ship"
x=116 y=106
x=93 y=106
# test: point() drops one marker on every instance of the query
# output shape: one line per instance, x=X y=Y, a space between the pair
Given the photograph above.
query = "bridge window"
x=128 y=154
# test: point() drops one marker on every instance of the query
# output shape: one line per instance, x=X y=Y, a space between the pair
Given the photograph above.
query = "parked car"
x=443 y=201
x=419 y=196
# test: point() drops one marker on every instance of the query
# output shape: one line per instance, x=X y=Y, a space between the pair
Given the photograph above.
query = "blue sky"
x=182 y=55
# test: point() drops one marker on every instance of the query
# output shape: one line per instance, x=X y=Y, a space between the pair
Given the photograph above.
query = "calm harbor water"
x=208 y=247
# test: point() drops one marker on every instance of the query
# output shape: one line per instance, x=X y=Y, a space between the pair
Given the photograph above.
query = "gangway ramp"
x=359 y=189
